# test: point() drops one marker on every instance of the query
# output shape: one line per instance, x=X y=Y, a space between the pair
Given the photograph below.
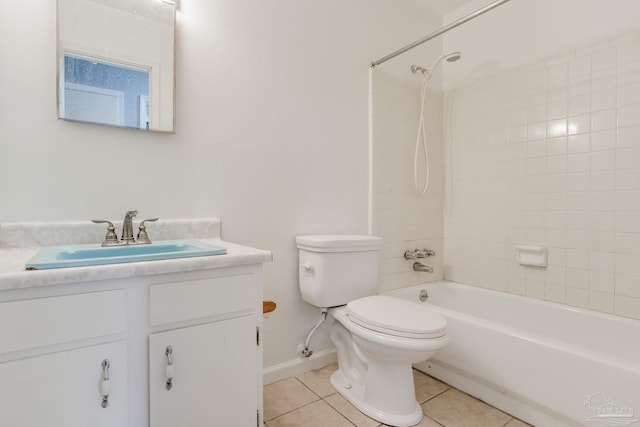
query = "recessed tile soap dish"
x=534 y=256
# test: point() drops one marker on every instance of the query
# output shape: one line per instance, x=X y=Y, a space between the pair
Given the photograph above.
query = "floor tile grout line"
x=508 y=421
x=329 y=404
x=311 y=390
x=293 y=410
x=307 y=387
x=436 y=395
x=440 y=424
x=319 y=398
x=473 y=397
x=311 y=403
x=341 y=414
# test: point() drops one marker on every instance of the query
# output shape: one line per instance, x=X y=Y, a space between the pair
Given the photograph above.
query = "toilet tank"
x=334 y=269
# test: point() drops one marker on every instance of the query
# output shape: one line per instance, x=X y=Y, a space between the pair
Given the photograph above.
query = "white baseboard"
x=299 y=365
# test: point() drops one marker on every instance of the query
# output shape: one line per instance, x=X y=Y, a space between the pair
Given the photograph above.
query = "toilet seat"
x=396 y=317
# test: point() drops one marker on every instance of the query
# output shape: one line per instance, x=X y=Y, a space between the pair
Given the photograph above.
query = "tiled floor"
x=308 y=400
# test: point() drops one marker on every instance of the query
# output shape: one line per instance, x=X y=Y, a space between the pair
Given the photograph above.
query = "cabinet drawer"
x=45 y=321
x=180 y=301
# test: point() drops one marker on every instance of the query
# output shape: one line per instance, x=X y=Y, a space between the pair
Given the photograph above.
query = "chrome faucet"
x=418 y=253
x=111 y=239
x=418 y=266
x=127 y=228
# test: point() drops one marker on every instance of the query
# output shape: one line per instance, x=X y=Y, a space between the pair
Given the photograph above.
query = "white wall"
x=523 y=31
x=548 y=153
x=271 y=131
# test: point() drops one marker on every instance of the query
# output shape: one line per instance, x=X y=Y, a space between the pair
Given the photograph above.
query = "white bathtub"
x=546 y=363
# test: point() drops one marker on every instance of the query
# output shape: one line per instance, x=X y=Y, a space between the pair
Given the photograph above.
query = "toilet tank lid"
x=338 y=242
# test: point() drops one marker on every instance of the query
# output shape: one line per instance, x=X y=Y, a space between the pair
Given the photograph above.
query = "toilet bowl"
x=378 y=338
x=376 y=350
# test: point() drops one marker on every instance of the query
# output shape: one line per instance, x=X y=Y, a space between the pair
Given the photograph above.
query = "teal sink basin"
x=94 y=254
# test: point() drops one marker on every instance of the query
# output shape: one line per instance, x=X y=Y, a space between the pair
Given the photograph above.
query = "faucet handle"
x=111 y=237
x=143 y=237
x=411 y=254
x=425 y=253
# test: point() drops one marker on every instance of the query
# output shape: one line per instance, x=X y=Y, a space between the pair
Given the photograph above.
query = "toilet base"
x=354 y=393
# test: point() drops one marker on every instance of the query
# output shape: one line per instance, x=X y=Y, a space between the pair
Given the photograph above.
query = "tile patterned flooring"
x=308 y=400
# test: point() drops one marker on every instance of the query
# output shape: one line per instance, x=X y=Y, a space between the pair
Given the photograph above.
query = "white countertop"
x=13 y=255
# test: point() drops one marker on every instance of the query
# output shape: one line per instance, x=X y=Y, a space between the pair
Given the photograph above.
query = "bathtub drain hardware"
x=424 y=295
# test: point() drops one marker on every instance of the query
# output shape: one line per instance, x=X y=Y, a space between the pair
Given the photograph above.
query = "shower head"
x=428 y=72
x=453 y=56
x=449 y=57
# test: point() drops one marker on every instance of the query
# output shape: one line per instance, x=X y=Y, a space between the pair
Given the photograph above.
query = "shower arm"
x=439 y=32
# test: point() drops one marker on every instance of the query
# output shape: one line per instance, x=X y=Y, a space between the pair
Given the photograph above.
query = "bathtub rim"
x=531 y=300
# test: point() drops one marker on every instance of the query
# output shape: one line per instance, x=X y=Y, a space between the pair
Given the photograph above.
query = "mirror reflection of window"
x=97 y=90
x=115 y=62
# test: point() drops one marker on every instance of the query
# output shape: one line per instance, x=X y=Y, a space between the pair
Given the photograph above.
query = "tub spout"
x=418 y=266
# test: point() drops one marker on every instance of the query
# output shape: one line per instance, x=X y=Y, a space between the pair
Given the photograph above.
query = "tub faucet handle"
x=111 y=237
x=411 y=254
x=425 y=253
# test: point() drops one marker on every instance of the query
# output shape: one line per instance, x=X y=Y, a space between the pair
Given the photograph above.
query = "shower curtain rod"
x=439 y=32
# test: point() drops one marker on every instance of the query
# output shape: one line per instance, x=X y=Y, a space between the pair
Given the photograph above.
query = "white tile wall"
x=405 y=219
x=550 y=155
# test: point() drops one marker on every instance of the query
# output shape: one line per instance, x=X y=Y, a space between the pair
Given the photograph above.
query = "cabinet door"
x=63 y=389
x=215 y=375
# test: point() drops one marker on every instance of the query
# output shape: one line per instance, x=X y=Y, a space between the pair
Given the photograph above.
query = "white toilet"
x=378 y=337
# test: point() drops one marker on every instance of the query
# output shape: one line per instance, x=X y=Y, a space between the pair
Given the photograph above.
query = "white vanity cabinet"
x=205 y=370
x=58 y=327
x=52 y=351
x=54 y=340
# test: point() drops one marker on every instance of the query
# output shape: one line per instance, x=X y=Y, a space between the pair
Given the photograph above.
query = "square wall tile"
x=577 y=297
x=556 y=163
x=579 y=124
x=602 y=120
x=627 y=285
x=604 y=100
x=627 y=306
x=580 y=66
x=603 y=140
x=601 y=301
x=603 y=59
x=628 y=137
x=580 y=104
